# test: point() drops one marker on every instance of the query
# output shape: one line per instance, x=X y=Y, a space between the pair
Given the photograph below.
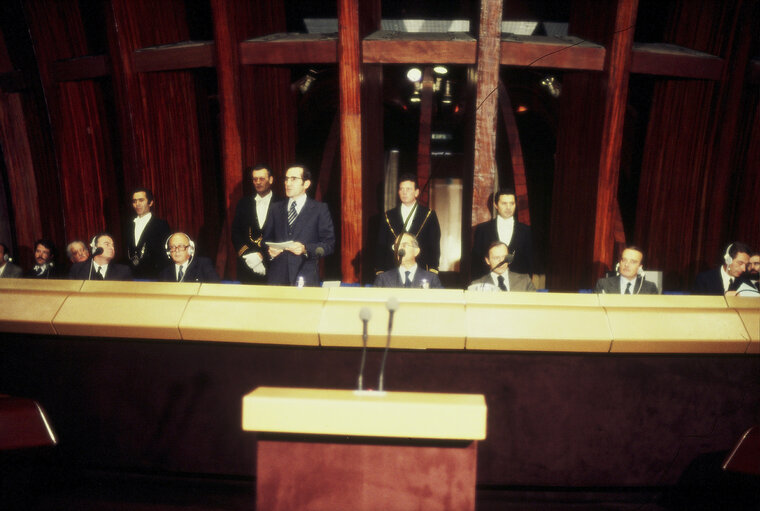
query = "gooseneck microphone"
x=392 y=306
x=365 y=315
x=95 y=252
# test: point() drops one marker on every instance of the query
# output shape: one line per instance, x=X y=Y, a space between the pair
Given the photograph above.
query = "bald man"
x=187 y=266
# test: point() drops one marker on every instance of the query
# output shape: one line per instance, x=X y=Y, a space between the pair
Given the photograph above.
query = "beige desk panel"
x=535 y=299
x=141 y=288
x=117 y=315
x=345 y=412
x=415 y=325
x=290 y=322
x=381 y=294
x=677 y=331
x=662 y=301
x=264 y=292
x=535 y=328
x=40 y=285
x=29 y=312
x=749 y=312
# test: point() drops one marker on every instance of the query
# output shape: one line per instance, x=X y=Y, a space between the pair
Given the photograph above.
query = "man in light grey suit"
x=630 y=279
x=408 y=273
x=500 y=278
x=8 y=270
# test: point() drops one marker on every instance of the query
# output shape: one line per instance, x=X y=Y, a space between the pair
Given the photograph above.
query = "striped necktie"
x=180 y=274
x=292 y=214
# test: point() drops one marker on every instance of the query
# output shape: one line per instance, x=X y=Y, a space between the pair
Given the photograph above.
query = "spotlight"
x=414 y=74
x=440 y=70
x=552 y=86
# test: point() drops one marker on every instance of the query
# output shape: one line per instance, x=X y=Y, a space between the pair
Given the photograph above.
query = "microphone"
x=318 y=252
x=392 y=306
x=365 y=315
x=97 y=251
x=507 y=260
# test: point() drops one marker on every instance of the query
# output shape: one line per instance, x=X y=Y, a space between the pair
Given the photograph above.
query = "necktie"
x=292 y=214
x=627 y=289
x=408 y=282
x=180 y=274
x=501 y=283
x=98 y=274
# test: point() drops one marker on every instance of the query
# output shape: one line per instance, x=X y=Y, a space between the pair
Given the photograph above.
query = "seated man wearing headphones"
x=187 y=266
x=630 y=279
x=101 y=266
x=499 y=278
x=719 y=280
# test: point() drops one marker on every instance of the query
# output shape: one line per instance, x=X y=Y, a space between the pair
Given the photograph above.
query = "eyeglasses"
x=293 y=178
x=178 y=248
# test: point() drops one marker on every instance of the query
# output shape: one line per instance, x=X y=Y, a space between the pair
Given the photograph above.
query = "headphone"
x=727 y=256
x=190 y=248
x=93 y=243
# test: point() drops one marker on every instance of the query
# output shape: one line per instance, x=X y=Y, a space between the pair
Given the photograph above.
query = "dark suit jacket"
x=708 y=283
x=51 y=272
x=611 y=285
x=521 y=246
x=314 y=228
x=517 y=281
x=247 y=237
x=85 y=271
x=200 y=269
x=12 y=271
x=425 y=228
x=392 y=278
x=147 y=256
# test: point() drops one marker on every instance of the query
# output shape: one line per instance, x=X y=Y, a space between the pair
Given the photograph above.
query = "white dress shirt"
x=402 y=272
x=140 y=223
x=300 y=201
x=262 y=208
x=495 y=278
x=624 y=282
x=406 y=211
x=505 y=227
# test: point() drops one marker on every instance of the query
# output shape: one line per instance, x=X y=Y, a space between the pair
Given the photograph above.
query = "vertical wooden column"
x=423 y=142
x=515 y=154
x=227 y=47
x=349 y=78
x=617 y=71
x=486 y=101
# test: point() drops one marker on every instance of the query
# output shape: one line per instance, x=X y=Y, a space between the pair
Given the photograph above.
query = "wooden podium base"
x=349 y=473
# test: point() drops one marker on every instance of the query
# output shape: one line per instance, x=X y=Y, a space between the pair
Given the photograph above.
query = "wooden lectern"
x=341 y=449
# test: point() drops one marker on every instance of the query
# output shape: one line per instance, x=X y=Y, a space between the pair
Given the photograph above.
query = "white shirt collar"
x=412 y=271
x=142 y=220
x=300 y=201
x=405 y=211
x=267 y=197
x=495 y=278
x=725 y=277
x=624 y=281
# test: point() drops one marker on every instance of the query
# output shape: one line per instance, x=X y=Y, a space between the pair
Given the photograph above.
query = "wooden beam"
x=388 y=47
x=169 y=57
x=290 y=49
x=423 y=139
x=82 y=68
x=349 y=78
x=486 y=102
x=226 y=53
x=617 y=73
x=677 y=61
x=551 y=52
x=515 y=154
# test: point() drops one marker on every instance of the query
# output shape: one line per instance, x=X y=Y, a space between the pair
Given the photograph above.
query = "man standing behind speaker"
x=507 y=229
x=251 y=215
x=145 y=240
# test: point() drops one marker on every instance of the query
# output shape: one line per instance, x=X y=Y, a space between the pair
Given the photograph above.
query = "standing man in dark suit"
x=145 y=240
x=412 y=217
x=251 y=215
x=187 y=266
x=718 y=280
x=305 y=225
x=408 y=273
x=630 y=279
x=101 y=266
x=507 y=229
